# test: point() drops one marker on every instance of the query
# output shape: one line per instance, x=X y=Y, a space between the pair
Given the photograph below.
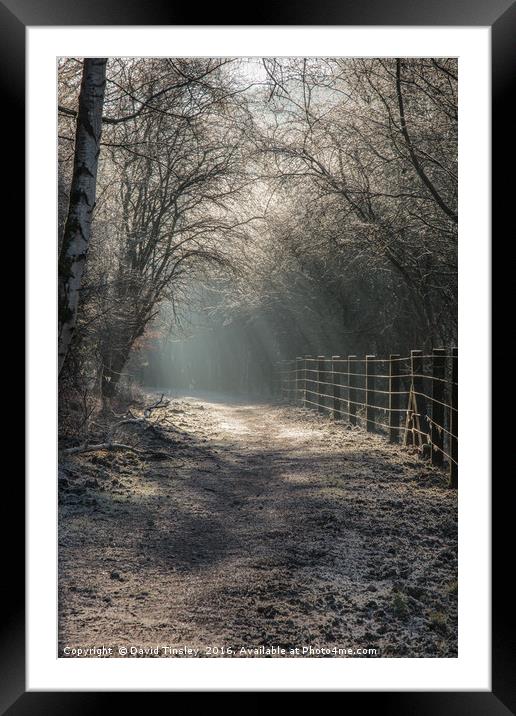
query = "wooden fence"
x=411 y=399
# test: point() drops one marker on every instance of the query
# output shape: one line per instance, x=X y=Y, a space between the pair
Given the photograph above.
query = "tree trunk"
x=112 y=372
x=76 y=237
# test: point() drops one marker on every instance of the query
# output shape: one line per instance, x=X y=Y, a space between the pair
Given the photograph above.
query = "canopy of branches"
x=285 y=206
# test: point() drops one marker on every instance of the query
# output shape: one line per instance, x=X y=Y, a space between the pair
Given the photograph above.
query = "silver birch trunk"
x=77 y=231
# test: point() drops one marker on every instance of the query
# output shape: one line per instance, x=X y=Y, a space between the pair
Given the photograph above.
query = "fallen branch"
x=158 y=404
x=128 y=419
x=103 y=446
x=116 y=446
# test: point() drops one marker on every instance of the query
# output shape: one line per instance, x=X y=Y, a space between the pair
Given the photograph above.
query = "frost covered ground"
x=257 y=526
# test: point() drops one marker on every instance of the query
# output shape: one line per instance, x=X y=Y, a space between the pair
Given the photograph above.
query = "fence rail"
x=411 y=399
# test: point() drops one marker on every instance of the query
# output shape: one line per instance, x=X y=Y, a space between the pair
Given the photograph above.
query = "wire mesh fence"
x=410 y=399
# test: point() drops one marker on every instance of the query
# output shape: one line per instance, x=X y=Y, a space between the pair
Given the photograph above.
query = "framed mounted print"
x=253 y=253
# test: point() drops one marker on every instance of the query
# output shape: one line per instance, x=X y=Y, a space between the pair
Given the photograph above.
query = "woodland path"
x=262 y=526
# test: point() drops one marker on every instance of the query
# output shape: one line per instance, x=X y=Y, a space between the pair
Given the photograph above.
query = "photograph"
x=257 y=356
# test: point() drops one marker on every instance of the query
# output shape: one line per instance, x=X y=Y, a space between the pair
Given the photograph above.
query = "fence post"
x=454 y=419
x=336 y=382
x=370 y=393
x=308 y=384
x=437 y=424
x=303 y=389
x=320 y=372
x=408 y=435
x=420 y=401
x=285 y=377
x=352 y=382
x=298 y=379
x=394 y=397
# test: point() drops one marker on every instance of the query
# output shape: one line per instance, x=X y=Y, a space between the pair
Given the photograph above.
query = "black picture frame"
x=500 y=16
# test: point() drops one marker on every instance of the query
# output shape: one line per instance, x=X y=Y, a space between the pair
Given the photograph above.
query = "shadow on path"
x=264 y=523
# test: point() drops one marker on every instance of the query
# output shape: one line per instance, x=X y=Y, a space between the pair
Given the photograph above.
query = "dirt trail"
x=266 y=526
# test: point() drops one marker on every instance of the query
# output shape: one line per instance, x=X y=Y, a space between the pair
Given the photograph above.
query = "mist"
x=257 y=355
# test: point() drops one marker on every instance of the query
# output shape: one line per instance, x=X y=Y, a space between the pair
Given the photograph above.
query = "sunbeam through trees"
x=220 y=220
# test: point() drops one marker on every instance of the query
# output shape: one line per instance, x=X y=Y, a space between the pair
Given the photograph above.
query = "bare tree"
x=350 y=167
x=373 y=143
x=171 y=175
x=77 y=231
